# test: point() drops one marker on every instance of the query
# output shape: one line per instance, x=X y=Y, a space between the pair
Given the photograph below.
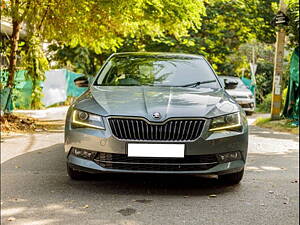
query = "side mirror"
x=81 y=82
x=230 y=84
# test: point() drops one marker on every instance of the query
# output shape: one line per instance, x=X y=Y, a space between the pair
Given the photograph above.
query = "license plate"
x=156 y=150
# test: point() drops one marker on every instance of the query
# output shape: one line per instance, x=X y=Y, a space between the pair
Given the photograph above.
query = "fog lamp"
x=229 y=156
x=83 y=153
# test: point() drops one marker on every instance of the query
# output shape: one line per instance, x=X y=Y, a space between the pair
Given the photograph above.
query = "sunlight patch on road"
x=272 y=168
x=254 y=168
x=264 y=168
x=38 y=222
x=12 y=211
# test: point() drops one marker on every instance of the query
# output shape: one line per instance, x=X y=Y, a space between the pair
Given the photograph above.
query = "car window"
x=240 y=84
x=156 y=71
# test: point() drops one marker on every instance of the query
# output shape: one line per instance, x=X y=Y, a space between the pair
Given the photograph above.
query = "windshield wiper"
x=195 y=84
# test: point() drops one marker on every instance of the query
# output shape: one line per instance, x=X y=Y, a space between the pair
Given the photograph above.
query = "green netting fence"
x=21 y=98
x=291 y=107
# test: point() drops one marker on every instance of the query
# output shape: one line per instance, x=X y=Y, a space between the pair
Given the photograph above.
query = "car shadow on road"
x=46 y=169
x=36 y=189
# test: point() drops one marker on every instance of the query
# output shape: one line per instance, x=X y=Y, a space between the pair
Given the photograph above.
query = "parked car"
x=156 y=113
x=240 y=92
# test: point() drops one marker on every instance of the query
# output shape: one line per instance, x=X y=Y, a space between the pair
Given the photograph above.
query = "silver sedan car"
x=160 y=113
x=240 y=92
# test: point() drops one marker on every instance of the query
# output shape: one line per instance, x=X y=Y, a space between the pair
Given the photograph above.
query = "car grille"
x=250 y=105
x=188 y=163
x=241 y=96
x=139 y=129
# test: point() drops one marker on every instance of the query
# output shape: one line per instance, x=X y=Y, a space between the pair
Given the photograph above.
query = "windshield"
x=157 y=71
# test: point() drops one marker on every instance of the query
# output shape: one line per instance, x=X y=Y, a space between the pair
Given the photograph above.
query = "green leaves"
x=293 y=26
x=101 y=25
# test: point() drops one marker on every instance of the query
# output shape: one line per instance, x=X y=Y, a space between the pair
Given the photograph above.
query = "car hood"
x=168 y=101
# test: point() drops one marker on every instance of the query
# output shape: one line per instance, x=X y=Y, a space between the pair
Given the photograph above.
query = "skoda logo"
x=156 y=115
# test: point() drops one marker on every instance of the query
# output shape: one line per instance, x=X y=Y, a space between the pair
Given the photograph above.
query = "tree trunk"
x=13 y=53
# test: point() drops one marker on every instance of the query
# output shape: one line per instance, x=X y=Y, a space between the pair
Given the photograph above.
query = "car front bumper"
x=102 y=141
x=247 y=105
x=89 y=166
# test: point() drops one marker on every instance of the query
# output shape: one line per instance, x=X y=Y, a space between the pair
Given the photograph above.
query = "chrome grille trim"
x=171 y=130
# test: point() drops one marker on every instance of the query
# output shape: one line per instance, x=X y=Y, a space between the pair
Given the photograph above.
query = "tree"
x=293 y=26
x=226 y=25
x=100 y=25
x=20 y=12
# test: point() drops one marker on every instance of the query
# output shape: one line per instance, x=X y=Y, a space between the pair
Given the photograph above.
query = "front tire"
x=75 y=174
x=231 y=178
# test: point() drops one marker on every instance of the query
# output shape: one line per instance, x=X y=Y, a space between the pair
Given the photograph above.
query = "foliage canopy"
x=83 y=33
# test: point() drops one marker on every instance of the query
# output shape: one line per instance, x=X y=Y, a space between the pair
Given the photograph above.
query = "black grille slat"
x=123 y=129
x=193 y=129
x=129 y=130
x=141 y=130
x=198 y=127
x=168 y=131
x=114 y=157
x=188 y=129
x=150 y=132
x=179 y=131
x=113 y=128
x=136 y=126
x=146 y=167
x=183 y=129
x=133 y=129
x=147 y=134
x=188 y=163
x=174 y=130
x=160 y=132
x=165 y=132
x=119 y=128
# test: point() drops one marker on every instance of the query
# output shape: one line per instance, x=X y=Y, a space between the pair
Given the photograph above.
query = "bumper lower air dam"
x=92 y=167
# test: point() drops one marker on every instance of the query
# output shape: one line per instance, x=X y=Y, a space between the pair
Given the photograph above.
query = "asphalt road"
x=35 y=189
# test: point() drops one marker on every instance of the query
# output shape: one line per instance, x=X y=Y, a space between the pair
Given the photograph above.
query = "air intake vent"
x=188 y=163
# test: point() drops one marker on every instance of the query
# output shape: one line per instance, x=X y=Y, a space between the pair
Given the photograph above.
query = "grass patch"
x=284 y=125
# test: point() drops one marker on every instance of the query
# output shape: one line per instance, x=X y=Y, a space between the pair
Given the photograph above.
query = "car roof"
x=158 y=54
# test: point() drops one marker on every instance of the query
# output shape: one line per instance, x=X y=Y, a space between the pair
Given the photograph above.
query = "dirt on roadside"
x=19 y=123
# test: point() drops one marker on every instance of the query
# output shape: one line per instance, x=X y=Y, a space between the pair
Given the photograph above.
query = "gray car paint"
x=143 y=101
x=168 y=101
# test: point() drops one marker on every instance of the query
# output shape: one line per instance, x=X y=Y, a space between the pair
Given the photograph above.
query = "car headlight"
x=227 y=122
x=84 y=119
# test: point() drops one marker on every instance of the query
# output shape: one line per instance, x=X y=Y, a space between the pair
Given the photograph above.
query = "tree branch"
x=25 y=11
x=45 y=14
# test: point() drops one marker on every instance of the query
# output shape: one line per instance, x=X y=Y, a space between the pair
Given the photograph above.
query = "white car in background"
x=240 y=92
